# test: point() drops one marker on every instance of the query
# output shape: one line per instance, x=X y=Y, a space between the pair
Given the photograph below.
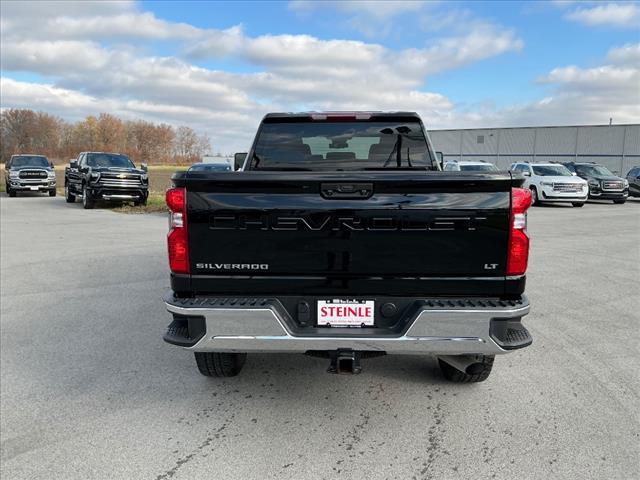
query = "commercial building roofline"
x=540 y=126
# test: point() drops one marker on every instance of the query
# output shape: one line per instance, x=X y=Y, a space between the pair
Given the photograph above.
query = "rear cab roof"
x=339 y=116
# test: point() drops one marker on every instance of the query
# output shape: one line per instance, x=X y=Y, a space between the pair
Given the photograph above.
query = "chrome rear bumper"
x=120 y=197
x=262 y=327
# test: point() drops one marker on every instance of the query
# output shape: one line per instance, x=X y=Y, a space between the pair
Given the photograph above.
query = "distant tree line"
x=28 y=131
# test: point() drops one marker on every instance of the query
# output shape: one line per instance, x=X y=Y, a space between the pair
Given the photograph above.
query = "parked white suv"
x=466 y=166
x=552 y=182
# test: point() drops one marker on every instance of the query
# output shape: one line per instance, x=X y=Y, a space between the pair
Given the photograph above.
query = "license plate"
x=345 y=313
x=33 y=188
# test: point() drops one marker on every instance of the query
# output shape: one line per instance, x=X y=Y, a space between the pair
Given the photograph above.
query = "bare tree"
x=204 y=145
x=18 y=127
x=186 y=143
x=26 y=131
x=111 y=133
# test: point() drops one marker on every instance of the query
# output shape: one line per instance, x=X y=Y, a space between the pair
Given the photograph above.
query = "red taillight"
x=518 y=254
x=177 y=239
x=176 y=199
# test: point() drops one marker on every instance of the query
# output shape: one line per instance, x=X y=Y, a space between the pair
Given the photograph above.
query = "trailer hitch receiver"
x=346 y=362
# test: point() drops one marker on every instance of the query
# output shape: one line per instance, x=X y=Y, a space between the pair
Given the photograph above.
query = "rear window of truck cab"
x=342 y=145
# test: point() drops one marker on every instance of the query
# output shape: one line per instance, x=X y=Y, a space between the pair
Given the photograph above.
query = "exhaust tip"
x=475 y=369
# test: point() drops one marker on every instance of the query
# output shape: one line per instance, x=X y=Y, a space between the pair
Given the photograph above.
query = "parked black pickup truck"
x=105 y=176
x=29 y=173
x=341 y=237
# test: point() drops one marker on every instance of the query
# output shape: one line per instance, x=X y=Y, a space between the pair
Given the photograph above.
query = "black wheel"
x=534 y=197
x=142 y=203
x=478 y=372
x=620 y=202
x=87 y=201
x=11 y=192
x=577 y=204
x=68 y=196
x=215 y=364
x=52 y=193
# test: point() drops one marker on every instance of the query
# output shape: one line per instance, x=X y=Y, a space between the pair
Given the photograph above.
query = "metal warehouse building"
x=615 y=146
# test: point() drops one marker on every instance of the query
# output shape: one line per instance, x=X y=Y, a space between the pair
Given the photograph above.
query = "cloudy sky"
x=218 y=67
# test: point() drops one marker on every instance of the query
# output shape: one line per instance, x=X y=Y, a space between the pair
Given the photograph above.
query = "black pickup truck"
x=341 y=237
x=105 y=176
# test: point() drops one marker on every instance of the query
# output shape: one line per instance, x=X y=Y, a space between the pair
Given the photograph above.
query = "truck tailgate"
x=396 y=233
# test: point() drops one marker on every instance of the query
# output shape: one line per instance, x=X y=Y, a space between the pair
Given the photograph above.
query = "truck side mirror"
x=144 y=167
x=440 y=158
x=73 y=164
x=238 y=160
x=52 y=165
x=526 y=174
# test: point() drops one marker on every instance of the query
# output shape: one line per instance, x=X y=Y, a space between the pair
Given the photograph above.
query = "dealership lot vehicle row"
x=89 y=390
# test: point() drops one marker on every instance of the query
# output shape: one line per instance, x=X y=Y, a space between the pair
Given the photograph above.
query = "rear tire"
x=534 y=197
x=578 y=204
x=454 y=375
x=620 y=202
x=87 y=201
x=217 y=364
x=68 y=196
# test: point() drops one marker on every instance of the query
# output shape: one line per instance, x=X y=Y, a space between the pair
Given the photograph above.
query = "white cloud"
x=130 y=24
x=592 y=95
x=53 y=8
x=57 y=100
x=378 y=9
x=372 y=18
x=229 y=129
x=454 y=52
x=52 y=57
x=624 y=15
x=628 y=54
x=215 y=43
x=87 y=73
x=620 y=80
x=96 y=20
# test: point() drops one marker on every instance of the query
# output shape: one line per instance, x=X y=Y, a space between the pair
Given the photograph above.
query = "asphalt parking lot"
x=89 y=390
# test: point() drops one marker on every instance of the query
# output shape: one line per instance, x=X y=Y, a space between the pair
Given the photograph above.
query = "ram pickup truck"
x=111 y=177
x=29 y=173
x=341 y=237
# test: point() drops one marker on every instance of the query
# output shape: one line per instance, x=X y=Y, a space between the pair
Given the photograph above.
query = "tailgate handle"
x=346 y=190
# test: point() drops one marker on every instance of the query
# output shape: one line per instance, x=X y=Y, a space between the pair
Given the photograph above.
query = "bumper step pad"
x=509 y=334
x=185 y=331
